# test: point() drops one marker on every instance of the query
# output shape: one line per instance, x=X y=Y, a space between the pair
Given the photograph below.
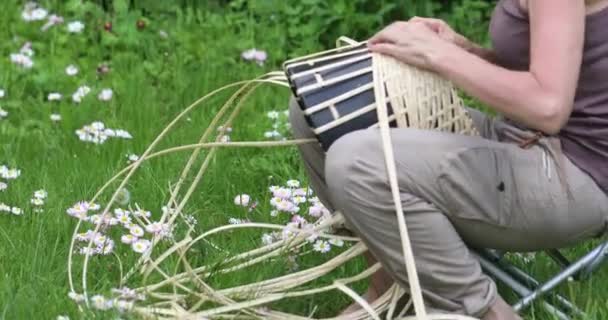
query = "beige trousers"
x=457 y=192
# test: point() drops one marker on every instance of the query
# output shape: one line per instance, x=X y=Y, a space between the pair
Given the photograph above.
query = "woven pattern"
x=336 y=93
x=422 y=99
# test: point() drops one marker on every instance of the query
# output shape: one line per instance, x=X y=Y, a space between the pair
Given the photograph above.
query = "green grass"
x=153 y=79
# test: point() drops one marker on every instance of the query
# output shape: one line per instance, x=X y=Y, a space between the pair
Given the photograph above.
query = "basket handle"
x=345 y=41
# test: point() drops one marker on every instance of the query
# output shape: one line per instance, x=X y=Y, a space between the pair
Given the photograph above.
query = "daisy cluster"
x=225 y=133
x=6 y=174
x=280 y=125
x=97 y=133
x=123 y=299
x=10 y=210
x=24 y=58
x=38 y=199
x=305 y=210
x=132 y=225
x=255 y=55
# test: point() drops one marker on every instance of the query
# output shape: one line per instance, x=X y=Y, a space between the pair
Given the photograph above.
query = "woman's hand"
x=444 y=31
x=415 y=43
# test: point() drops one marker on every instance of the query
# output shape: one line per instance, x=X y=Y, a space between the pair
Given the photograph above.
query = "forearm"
x=516 y=94
x=474 y=48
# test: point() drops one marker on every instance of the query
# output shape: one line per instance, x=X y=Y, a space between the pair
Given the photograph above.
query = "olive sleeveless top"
x=584 y=139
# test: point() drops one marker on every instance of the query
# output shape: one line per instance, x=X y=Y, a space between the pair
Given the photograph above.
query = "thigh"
x=496 y=194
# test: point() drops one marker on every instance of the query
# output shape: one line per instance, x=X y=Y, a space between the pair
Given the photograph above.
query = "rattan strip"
x=323 y=56
x=347 y=95
x=407 y=85
x=328 y=82
x=337 y=64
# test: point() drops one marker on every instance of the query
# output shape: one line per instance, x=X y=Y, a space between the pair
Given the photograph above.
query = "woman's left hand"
x=412 y=43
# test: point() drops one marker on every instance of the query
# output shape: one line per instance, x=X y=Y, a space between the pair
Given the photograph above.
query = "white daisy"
x=55 y=117
x=3 y=186
x=128 y=239
x=10 y=174
x=4 y=207
x=141 y=246
x=222 y=129
x=16 y=211
x=71 y=70
x=136 y=231
x=287 y=206
x=27 y=49
x=132 y=157
x=273 y=115
x=267 y=238
x=51 y=21
x=300 y=192
x=3 y=113
x=54 y=96
x=2 y=93
x=234 y=221
x=77 y=297
x=40 y=194
x=80 y=93
x=22 y=60
x=282 y=193
x=86 y=251
x=321 y=246
x=75 y=27
x=31 y=12
x=106 y=247
x=105 y=95
x=99 y=302
x=142 y=213
x=298 y=199
x=242 y=200
x=272 y=134
x=293 y=183
x=123 y=134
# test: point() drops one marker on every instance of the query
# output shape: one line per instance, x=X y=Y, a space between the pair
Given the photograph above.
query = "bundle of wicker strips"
x=418 y=98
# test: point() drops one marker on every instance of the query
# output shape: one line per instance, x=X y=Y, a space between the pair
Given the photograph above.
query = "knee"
x=353 y=163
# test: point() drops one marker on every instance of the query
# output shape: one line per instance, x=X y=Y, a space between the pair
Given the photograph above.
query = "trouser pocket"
x=477 y=184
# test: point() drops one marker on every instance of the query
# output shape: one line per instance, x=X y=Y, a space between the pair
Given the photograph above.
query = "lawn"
x=134 y=71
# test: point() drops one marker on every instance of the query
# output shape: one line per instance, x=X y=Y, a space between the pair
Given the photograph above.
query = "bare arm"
x=541 y=98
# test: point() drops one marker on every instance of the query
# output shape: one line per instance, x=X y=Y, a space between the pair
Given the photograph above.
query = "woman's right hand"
x=444 y=31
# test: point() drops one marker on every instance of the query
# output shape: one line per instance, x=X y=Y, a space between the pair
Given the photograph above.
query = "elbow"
x=554 y=116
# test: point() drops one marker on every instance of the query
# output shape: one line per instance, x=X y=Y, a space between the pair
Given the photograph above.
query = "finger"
x=388 y=49
x=388 y=34
x=379 y=38
x=401 y=53
x=432 y=23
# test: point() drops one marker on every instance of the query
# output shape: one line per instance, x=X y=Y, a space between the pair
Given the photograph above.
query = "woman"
x=538 y=180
